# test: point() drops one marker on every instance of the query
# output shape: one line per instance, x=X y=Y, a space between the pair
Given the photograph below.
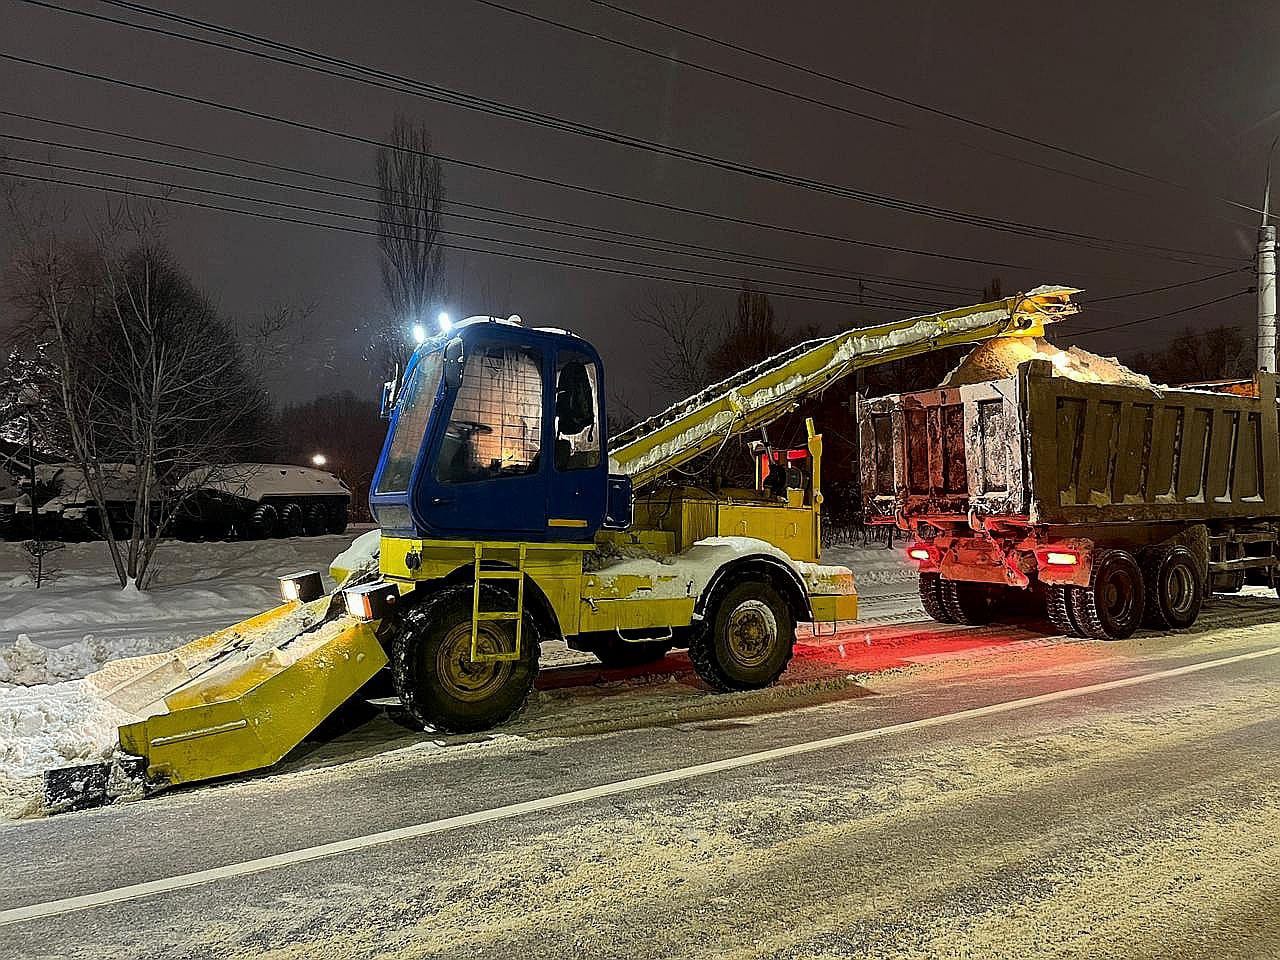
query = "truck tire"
x=931 y=598
x=431 y=667
x=1058 y=605
x=293 y=522
x=1173 y=587
x=613 y=652
x=1111 y=607
x=261 y=523
x=316 y=519
x=746 y=640
x=969 y=603
x=338 y=519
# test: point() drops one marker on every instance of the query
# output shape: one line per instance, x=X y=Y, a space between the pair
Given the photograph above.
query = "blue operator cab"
x=498 y=433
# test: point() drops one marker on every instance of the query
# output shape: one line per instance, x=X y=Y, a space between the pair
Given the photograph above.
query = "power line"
x=531 y=178
x=868 y=89
x=1169 y=286
x=398 y=83
x=632 y=240
x=735 y=288
x=1161 y=316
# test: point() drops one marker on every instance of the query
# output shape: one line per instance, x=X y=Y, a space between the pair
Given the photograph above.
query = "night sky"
x=1183 y=92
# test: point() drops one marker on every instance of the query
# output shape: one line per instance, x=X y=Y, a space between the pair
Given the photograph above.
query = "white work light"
x=445 y=323
x=419 y=333
x=302 y=587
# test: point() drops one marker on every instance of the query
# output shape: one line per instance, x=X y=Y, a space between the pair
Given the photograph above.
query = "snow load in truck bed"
x=1000 y=359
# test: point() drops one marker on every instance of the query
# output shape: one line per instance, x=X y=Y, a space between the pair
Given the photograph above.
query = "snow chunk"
x=1000 y=359
x=49 y=726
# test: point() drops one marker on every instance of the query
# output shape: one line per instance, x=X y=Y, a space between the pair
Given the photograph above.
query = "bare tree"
x=153 y=382
x=685 y=334
x=410 y=194
x=1218 y=353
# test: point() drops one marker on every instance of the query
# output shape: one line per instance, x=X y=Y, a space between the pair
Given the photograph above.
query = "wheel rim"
x=1117 y=595
x=752 y=633
x=462 y=677
x=1180 y=590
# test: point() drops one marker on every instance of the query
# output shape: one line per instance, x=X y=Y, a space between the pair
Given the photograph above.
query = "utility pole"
x=1267 y=279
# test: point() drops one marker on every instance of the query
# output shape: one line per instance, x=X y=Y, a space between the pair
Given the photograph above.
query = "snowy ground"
x=52 y=637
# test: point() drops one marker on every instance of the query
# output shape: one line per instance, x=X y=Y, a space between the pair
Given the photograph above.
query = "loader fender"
x=535 y=599
x=776 y=571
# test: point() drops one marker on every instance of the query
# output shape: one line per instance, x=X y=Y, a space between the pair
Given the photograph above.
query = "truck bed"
x=1050 y=450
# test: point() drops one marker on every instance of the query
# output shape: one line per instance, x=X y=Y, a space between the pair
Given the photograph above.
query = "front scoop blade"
x=240 y=699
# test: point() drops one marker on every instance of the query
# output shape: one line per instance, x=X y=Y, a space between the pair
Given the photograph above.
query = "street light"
x=319 y=460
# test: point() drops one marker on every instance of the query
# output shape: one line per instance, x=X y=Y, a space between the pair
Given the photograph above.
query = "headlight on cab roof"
x=301 y=587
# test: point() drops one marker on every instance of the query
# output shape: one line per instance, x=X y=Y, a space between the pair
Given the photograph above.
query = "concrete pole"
x=1267 y=298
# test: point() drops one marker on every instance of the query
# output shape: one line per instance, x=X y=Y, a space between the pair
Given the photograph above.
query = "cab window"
x=415 y=403
x=496 y=426
x=577 y=412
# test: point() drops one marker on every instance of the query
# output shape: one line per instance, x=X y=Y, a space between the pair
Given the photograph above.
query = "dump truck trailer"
x=509 y=518
x=1122 y=503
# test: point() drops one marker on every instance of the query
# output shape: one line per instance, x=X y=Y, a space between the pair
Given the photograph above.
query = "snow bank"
x=48 y=726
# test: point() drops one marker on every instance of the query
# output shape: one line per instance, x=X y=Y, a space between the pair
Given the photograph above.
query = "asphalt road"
x=1023 y=796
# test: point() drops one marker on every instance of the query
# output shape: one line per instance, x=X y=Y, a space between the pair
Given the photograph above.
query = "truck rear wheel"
x=1058 y=604
x=969 y=603
x=932 y=599
x=315 y=519
x=1174 y=590
x=1111 y=607
x=746 y=640
x=434 y=675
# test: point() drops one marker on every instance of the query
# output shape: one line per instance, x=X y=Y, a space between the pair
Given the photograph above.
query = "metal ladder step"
x=478 y=616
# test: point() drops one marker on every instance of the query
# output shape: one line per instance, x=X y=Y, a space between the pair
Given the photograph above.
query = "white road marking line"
x=135 y=891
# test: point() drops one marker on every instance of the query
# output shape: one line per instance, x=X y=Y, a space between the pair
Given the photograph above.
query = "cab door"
x=579 y=468
x=489 y=475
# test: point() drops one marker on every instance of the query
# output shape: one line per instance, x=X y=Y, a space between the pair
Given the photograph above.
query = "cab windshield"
x=414 y=411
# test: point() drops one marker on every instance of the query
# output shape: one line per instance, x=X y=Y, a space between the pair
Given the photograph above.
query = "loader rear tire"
x=431 y=667
x=1058 y=605
x=931 y=598
x=973 y=604
x=293 y=522
x=746 y=639
x=1111 y=607
x=1173 y=587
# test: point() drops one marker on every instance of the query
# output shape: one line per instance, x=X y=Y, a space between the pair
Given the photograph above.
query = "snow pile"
x=360 y=557
x=1000 y=359
x=48 y=726
x=26 y=663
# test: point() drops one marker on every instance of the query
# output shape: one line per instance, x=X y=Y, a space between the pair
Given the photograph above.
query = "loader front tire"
x=438 y=683
x=746 y=640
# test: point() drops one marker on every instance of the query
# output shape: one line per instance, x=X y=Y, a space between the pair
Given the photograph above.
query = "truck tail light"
x=1062 y=558
x=923 y=553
